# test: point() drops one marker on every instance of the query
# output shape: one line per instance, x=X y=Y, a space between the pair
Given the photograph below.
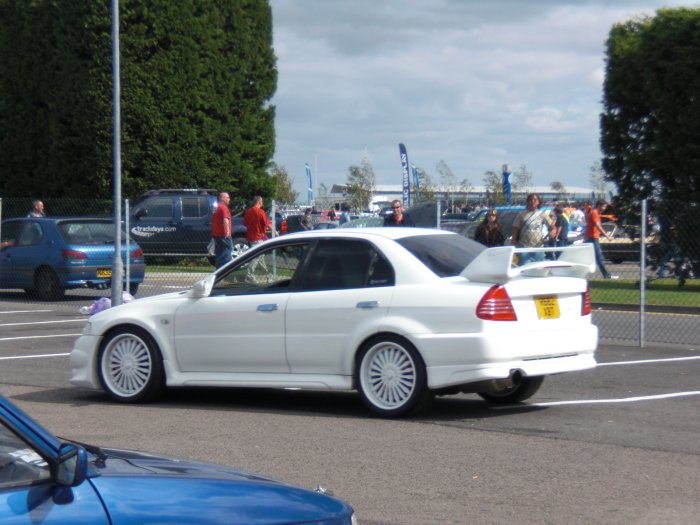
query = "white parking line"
x=37 y=337
x=32 y=356
x=24 y=311
x=45 y=322
x=621 y=400
x=650 y=361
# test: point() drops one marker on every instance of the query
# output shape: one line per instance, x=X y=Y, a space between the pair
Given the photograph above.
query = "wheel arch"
x=378 y=336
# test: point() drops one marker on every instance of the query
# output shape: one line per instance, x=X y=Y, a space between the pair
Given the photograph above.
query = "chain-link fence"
x=653 y=297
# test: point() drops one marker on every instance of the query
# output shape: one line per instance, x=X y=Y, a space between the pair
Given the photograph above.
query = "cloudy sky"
x=474 y=83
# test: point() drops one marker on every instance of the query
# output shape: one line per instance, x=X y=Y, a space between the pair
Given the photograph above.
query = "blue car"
x=47 y=256
x=49 y=481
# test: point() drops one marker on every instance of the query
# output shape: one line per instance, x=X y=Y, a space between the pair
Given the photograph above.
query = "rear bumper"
x=86 y=277
x=459 y=359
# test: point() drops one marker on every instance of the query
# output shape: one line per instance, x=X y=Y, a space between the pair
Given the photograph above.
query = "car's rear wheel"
x=522 y=390
x=130 y=365
x=133 y=288
x=47 y=287
x=391 y=377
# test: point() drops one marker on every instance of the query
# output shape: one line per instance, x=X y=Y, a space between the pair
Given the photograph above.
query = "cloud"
x=474 y=83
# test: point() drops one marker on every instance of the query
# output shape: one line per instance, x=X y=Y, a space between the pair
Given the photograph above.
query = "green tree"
x=284 y=185
x=597 y=179
x=650 y=125
x=426 y=187
x=522 y=180
x=494 y=188
x=197 y=79
x=361 y=183
x=448 y=181
x=558 y=188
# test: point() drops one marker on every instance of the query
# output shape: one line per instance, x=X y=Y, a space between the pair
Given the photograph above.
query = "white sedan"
x=398 y=314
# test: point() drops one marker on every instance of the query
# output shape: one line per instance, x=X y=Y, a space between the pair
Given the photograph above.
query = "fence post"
x=438 y=213
x=642 y=271
x=127 y=263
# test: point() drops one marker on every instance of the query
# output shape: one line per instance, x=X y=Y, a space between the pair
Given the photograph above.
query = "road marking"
x=648 y=361
x=32 y=356
x=37 y=337
x=621 y=400
x=24 y=311
x=44 y=322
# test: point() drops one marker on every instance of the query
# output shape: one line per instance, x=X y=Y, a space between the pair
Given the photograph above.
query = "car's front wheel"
x=524 y=389
x=391 y=377
x=130 y=365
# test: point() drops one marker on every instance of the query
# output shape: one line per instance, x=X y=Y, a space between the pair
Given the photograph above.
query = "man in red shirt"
x=221 y=230
x=256 y=222
x=592 y=234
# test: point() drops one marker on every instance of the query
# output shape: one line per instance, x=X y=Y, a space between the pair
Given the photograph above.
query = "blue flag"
x=309 y=186
x=406 y=179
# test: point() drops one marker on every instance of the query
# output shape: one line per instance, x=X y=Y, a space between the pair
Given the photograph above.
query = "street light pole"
x=117 y=264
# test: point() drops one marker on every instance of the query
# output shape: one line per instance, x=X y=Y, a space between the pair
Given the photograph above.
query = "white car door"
x=346 y=287
x=240 y=326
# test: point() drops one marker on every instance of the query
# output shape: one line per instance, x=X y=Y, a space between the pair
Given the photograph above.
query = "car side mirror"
x=72 y=465
x=202 y=288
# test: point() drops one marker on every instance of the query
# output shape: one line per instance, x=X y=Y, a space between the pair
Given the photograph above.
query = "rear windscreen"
x=445 y=255
x=82 y=232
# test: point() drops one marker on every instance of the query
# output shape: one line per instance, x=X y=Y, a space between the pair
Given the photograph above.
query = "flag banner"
x=414 y=171
x=406 y=179
x=309 y=185
x=506 y=184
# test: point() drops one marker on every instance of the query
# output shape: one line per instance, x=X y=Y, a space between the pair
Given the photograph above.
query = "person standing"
x=529 y=227
x=221 y=231
x=306 y=223
x=37 y=209
x=398 y=217
x=592 y=234
x=489 y=231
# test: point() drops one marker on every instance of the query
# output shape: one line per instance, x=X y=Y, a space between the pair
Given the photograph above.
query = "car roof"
x=386 y=232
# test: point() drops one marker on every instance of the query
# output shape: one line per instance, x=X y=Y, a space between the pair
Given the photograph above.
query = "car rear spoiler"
x=498 y=265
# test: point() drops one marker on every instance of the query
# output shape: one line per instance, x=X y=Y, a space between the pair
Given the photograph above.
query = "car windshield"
x=445 y=255
x=84 y=232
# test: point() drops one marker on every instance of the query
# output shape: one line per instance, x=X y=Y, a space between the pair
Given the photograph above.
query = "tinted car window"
x=338 y=264
x=83 y=232
x=9 y=232
x=157 y=207
x=269 y=271
x=30 y=233
x=445 y=255
x=195 y=207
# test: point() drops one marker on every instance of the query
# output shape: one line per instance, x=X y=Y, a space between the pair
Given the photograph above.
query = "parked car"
x=399 y=314
x=625 y=245
x=47 y=256
x=48 y=480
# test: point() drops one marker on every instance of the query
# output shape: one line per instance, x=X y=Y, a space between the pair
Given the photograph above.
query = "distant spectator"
x=221 y=231
x=344 y=213
x=306 y=222
x=529 y=229
x=592 y=235
x=489 y=231
x=37 y=209
x=398 y=217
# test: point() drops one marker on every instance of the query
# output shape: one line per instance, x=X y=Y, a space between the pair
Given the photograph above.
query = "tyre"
x=133 y=288
x=47 y=287
x=525 y=389
x=391 y=377
x=240 y=246
x=130 y=366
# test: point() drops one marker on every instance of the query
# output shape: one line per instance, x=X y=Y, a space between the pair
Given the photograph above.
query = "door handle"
x=267 y=308
x=368 y=305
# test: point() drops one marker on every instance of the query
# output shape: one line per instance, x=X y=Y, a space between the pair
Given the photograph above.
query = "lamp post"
x=117 y=264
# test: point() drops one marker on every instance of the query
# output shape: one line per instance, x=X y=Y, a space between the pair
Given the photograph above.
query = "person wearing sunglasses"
x=398 y=217
x=489 y=231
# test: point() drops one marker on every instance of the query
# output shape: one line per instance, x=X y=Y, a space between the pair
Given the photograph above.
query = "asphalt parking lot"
x=617 y=444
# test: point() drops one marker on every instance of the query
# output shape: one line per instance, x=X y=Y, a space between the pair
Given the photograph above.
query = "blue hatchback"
x=49 y=481
x=46 y=256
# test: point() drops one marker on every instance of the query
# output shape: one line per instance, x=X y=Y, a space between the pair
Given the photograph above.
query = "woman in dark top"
x=489 y=231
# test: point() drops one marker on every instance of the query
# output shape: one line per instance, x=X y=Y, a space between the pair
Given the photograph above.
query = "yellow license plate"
x=547 y=307
x=104 y=273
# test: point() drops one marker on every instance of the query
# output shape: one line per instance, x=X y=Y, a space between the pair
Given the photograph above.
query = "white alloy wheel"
x=130 y=368
x=391 y=376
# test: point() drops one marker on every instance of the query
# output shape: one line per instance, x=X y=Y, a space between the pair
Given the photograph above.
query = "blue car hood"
x=137 y=487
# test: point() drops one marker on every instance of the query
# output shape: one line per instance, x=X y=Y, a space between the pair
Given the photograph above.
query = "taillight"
x=495 y=305
x=586 y=302
x=73 y=255
x=283 y=226
x=137 y=253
